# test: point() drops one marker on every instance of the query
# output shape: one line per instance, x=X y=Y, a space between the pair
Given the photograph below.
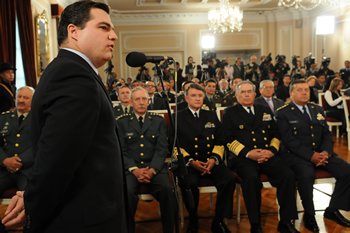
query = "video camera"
x=308 y=61
x=268 y=59
x=166 y=64
x=142 y=68
x=295 y=61
x=280 y=58
x=208 y=56
x=325 y=62
x=220 y=64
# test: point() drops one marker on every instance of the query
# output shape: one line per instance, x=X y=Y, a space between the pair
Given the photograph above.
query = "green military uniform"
x=147 y=147
x=14 y=141
x=229 y=99
x=119 y=110
x=212 y=105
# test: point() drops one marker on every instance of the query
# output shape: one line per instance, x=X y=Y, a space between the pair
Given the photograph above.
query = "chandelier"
x=225 y=19
x=312 y=3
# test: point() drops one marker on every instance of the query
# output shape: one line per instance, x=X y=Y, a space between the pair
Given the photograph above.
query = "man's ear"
x=72 y=31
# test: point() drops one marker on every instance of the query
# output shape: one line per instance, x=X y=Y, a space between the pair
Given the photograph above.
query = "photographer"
x=297 y=72
x=252 y=70
x=143 y=74
x=281 y=68
x=221 y=72
x=228 y=69
x=238 y=69
x=324 y=70
x=313 y=71
x=190 y=70
x=266 y=68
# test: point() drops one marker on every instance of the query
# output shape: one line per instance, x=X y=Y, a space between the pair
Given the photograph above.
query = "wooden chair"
x=115 y=103
x=330 y=121
x=7 y=196
x=346 y=104
x=220 y=111
x=172 y=107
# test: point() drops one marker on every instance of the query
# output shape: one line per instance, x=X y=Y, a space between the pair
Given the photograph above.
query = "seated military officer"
x=223 y=85
x=230 y=98
x=144 y=145
x=253 y=140
x=124 y=106
x=211 y=101
x=307 y=145
x=15 y=148
x=201 y=140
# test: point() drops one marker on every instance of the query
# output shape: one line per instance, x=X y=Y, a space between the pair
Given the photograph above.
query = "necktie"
x=269 y=101
x=250 y=111
x=196 y=115
x=20 y=119
x=224 y=92
x=140 y=121
x=306 y=116
x=126 y=110
x=151 y=103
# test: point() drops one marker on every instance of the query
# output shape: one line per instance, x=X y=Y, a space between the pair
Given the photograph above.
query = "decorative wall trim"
x=285 y=29
x=153 y=48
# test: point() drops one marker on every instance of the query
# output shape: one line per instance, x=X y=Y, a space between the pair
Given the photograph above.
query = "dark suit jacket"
x=146 y=147
x=277 y=103
x=12 y=133
x=7 y=101
x=157 y=105
x=298 y=137
x=77 y=153
x=243 y=134
x=283 y=92
x=345 y=75
x=171 y=97
x=113 y=96
x=200 y=138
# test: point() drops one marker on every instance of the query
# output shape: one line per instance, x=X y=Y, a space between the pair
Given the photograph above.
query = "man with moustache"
x=77 y=182
x=15 y=149
x=145 y=147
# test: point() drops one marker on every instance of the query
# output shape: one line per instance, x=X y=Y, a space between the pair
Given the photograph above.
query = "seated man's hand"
x=254 y=154
x=12 y=164
x=265 y=156
x=319 y=159
x=209 y=165
x=148 y=175
x=140 y=175
x=15 y=213
x=200 y=166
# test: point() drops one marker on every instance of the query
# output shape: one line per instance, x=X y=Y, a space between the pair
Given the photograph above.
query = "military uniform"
x=212 y=105
x=7 y=96
x=14 y=141
x=119 y=110
x=300 y=139
x=202 y=139
x=229 y=99
x=220 y=93
x=147 y=147
x=245 y=132
x=171 y=96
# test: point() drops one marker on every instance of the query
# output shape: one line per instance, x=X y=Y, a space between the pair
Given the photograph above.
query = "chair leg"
x=211 y=201
x=181 y=209
x=337 y=131
x=238 y=194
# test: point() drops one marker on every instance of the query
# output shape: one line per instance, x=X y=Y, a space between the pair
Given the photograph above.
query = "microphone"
x=136 y=59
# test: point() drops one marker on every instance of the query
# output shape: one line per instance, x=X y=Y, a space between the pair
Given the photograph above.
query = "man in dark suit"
x=345 y=72
x=238 y=69
x=124 y=106
x=266 y=99
x=201 y=141
x=283 y=90
x=307 y=145
x=15 y=149
x=114 y=94
x=253 y=140
x=321 y=83
x=75 y=145
x=145 y=147
x=171 y=96
x=155 y=103
x=7 y=90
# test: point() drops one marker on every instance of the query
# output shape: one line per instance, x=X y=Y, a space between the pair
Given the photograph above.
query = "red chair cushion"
x=330 y=119
x=9 y=193
x=322 y=174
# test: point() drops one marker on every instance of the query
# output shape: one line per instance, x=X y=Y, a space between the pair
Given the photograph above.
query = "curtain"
x=8 y=32
x=26 y=35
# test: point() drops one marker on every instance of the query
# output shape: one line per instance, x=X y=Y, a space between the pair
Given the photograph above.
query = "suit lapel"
x=24 y=122
x=313 y=113
x=190 y=119
x=203 y=119
x=299 y=114
x=135 y=123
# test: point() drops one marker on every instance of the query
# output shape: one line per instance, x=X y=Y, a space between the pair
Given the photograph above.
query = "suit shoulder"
x=283 y=107
x=6 y=113
x=124 y=116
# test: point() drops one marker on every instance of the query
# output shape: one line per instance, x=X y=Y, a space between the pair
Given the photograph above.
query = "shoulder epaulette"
x=314 y=103
x=282 y=107
x=7 y=112
x=124 y=115
x=154 y=114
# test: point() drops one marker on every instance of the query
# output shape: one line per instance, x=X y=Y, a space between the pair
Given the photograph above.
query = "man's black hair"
x=78 y=14
x=210 y=80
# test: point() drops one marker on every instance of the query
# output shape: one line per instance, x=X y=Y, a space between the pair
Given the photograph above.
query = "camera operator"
x=252 y=70
x=345 y=72
x=313 y=71
x=324 y=68
x=221 y=72
x=190 y=70
x=297 y=72
x=281 y=68
x=180 y=79
x=199 y=73
x=238 y=69
x=143 y=74
x=229 y=69
x=266 y=68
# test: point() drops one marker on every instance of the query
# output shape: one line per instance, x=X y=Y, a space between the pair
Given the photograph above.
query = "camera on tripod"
x=308 y=61
x=325 y=62
x=208 y=56
x=268 y=59
x=280 y=58
x=166 y=64
x=142 y=68
x=295 y=61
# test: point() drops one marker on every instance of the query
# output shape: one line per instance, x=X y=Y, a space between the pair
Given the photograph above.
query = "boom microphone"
x=136 y=59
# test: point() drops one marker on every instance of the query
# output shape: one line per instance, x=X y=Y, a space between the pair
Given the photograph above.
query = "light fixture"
x=208 y=42
x=225 y=19
x=310 y=4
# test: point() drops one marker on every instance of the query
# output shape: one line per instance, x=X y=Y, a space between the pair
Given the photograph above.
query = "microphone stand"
x=177 y=166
